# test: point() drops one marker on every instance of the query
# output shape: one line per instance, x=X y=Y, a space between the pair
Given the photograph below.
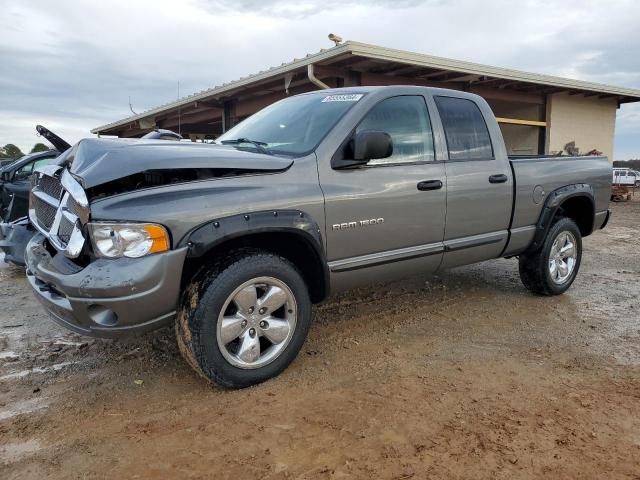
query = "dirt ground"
x=465 y=375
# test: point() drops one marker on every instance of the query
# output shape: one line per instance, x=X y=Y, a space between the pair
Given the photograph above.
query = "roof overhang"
x=407 y=67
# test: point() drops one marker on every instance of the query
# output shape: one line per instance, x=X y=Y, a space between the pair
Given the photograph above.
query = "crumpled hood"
x=100 y=160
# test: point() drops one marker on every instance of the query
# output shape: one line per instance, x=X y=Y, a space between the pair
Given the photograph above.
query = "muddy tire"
x=552 y=269
x=244 y=320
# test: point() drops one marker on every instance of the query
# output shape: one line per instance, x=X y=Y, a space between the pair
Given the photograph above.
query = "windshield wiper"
x=260 y=146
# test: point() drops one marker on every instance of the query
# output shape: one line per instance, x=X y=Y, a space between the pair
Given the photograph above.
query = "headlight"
x=133 y=240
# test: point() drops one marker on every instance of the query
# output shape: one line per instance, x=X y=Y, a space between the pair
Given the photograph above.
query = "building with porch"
x=538 y=114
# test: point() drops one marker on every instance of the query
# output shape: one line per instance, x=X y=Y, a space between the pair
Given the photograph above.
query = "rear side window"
x=465 y=129
x=405 y=118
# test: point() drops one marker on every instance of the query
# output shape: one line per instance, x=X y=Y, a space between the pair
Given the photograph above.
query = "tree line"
x=632 y=164
x=10 y=151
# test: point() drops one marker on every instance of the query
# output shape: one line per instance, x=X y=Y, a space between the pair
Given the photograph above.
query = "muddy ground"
x=465 y=375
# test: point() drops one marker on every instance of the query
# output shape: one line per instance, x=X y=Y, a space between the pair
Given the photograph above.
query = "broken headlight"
x=132 y=240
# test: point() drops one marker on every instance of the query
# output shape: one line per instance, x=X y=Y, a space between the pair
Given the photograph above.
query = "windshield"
x=294 y=126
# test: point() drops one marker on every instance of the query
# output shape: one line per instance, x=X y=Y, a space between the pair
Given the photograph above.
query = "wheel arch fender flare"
x=206 y=236
x=553 y=203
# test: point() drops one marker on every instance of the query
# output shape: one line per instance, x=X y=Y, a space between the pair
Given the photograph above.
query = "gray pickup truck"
x=313 y=195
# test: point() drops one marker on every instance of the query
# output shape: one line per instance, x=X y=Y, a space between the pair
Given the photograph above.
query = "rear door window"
x=465 y=129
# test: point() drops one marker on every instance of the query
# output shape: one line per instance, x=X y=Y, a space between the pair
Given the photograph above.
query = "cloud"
x=76 y=64
x=304 y=8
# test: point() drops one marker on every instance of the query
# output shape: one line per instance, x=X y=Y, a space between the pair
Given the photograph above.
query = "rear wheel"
x=244 y=321
x=552 y=269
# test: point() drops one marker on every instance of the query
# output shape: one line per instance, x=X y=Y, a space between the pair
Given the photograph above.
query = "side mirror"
x=371 y=145
x=361 y=148
x=5 y=177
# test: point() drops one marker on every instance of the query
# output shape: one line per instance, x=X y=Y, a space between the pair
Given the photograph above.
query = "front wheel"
x=245 y=320
x=552 y=269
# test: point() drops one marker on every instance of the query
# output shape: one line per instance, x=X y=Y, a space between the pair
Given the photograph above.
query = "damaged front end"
x=85 y=293
x=82 y=291
x=109 y=272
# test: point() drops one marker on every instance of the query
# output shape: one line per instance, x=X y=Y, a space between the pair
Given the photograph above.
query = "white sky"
x=72 y=66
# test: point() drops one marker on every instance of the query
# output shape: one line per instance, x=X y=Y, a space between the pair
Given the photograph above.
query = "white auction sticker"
x=354 y=97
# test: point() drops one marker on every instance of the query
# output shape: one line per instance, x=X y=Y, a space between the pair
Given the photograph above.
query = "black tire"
x=196 y=326
x=534 y=267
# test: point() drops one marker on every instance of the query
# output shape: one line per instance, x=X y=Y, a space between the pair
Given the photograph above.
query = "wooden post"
x=228 y=115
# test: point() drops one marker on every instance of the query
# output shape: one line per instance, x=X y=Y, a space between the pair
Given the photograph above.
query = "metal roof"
x=375 y=52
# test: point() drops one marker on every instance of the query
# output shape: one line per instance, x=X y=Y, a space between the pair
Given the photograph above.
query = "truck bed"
x=544 y=174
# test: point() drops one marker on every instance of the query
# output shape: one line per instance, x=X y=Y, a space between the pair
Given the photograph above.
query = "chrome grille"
x=65 y=229
x=59 y=208
x=50 y=186
x=74 y=208
x=45 y=213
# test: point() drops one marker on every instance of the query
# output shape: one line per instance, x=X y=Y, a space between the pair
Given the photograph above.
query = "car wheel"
x=244 y=320
x=552 y=269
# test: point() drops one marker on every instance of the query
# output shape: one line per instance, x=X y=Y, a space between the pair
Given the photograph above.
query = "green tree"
x=39 y=147
x=10 y=151
x=635 y=164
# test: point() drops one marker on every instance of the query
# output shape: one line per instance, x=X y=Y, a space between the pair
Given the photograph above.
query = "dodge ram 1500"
x=315 y=194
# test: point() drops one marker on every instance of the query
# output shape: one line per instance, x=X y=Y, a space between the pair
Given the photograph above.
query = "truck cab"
x=436 y=195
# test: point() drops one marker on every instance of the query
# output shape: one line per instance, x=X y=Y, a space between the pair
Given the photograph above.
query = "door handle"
x=430 y=185
x=501 y=178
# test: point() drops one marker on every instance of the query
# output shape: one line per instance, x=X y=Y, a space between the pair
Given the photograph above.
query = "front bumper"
x=108 y=298
x=14 y=237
